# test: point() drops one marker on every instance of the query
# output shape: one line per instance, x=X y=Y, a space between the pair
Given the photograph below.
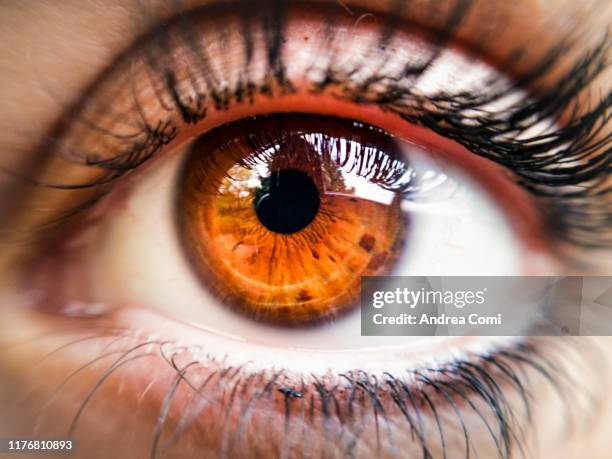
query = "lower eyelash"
x=496 y=394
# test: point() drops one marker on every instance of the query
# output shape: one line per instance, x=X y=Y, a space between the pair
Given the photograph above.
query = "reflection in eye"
x=338 y=176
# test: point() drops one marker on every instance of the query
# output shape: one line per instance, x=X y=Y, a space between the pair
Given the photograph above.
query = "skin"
x=49 y=51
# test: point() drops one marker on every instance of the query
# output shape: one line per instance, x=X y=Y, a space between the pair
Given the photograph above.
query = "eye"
x=282 y=215
x=206 y=237
x=277 y=217
x=229 y=180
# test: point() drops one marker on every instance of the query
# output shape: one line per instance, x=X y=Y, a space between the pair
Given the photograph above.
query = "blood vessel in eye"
x=281 y=215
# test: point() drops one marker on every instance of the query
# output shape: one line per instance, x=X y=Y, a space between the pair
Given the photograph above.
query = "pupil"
x=287 y=201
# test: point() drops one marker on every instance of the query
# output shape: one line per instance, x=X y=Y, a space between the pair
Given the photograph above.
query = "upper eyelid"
x=123 y=22
x=155 y=35
x=143 y=19
x=150 y=37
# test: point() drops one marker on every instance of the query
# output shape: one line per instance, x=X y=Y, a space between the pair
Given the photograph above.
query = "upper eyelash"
x=539 y=162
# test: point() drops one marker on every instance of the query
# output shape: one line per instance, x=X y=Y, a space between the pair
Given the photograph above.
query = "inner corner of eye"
x=281 y=216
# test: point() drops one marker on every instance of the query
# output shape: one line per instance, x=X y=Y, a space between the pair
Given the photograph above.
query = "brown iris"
x=282 y=215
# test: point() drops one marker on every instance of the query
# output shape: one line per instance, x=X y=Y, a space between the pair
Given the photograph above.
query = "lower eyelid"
x=182 y=400
x=299 y=360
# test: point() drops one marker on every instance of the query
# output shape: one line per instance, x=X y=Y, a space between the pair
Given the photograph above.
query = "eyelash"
x=573 y=201
x=481 y=385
